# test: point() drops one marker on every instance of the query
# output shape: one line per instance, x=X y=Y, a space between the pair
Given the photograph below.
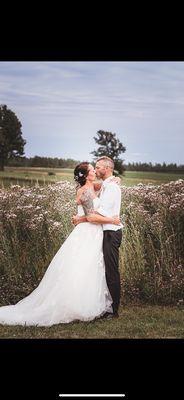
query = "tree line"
x=45 y=162
x=157 y=167
x=12 y=150
x=49 y=162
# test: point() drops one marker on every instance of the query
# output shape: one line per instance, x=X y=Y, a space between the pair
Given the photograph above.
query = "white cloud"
x=142 y=102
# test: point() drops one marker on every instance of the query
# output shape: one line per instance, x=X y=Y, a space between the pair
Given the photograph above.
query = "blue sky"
x=62 y=105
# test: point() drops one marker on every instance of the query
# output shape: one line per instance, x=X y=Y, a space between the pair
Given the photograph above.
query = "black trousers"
x=111 y=244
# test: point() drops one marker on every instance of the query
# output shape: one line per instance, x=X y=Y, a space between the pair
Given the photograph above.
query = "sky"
x=62 y=105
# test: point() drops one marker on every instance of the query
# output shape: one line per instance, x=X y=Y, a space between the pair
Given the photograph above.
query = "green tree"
x=11 y=141
x=110 y=146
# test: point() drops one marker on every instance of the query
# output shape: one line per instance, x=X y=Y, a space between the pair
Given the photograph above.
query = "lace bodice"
x=89 y=203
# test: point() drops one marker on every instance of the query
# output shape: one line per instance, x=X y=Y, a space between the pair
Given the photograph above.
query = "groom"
x=110 y=203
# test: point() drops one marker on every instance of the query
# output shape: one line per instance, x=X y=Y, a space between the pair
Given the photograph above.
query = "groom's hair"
x=107 y=161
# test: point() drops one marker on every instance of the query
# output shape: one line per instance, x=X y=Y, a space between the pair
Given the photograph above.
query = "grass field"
x=135 y=322
x=30 y=176
x=155 y=178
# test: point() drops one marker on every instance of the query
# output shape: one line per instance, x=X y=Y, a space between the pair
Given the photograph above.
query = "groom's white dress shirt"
x=110 y=202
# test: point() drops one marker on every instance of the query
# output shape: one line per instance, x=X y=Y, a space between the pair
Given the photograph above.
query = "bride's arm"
x=77 y=219
x=95 y=219
x=99 y=219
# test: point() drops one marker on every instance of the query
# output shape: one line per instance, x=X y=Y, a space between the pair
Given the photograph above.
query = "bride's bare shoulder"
x=81 y=193
x=84 y=194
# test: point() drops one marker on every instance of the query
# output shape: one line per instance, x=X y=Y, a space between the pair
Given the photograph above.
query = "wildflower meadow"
x=35 y=221
x=152 y=251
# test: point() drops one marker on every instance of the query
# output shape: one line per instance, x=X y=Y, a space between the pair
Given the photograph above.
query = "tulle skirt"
x=73 y=287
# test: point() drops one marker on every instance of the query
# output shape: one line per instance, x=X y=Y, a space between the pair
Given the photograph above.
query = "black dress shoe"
x=108 y=315
x=115 y=315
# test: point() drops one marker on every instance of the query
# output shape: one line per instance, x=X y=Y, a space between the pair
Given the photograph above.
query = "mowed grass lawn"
x=132 y=178
x=135 y=322
x=32 y=175
x=22 y=175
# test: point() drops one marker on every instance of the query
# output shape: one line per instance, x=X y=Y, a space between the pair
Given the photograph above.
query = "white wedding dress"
x=74 y=285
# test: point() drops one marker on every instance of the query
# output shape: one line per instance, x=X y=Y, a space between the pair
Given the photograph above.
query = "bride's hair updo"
x=81 y=173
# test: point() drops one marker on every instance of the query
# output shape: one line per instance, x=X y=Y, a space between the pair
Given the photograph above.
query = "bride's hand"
x=116 y=220
x=75 y=219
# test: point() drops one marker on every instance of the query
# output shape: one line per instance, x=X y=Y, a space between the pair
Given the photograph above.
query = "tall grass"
x=34 y=222
x=152 y=251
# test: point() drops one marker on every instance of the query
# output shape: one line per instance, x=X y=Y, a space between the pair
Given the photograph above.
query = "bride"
x=74 y=285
